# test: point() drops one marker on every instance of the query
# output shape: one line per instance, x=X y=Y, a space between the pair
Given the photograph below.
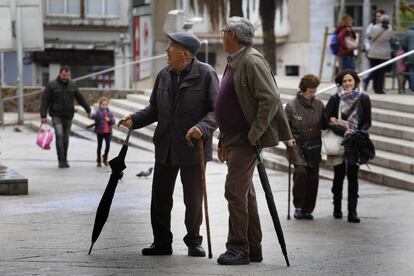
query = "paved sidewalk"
x=48 y=231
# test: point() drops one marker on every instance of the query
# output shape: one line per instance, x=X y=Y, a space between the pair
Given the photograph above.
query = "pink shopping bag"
x=44 y=137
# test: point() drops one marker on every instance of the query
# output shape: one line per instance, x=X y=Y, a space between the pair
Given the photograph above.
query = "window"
x=355 y=12
x=63 y=7
x=105 y=8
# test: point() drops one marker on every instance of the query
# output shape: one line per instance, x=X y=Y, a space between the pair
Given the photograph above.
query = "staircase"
x=392 y=133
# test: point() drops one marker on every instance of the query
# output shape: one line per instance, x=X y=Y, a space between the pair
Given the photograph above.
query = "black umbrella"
x=117 y=165
x=271 y=202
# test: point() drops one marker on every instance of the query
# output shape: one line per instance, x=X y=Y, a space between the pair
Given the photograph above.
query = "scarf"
x=349 y=106
x=303 y=101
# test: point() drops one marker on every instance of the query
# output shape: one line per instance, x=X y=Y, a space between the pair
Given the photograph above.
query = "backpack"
x=334 y=45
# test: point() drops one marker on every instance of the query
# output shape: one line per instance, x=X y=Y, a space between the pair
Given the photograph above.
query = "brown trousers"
x=305 y=187
x=162 y=202
x=244 y=225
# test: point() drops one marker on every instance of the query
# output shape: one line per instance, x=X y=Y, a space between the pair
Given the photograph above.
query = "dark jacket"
x=99 y=118
x=59 y=98
x=306 y=119
x=364 y=113
x=343 y=32
x=192 y=106
x=407 y=43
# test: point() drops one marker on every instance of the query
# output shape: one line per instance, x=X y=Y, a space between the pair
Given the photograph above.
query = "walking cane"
x=289 y=175
x=204 y=190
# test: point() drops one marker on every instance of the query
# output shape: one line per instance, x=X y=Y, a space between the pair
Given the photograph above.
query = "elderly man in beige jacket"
x=248 y=111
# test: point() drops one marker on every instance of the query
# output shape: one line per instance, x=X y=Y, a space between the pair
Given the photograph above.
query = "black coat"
x=364 y=113
x=59 y=98
x=193 y=105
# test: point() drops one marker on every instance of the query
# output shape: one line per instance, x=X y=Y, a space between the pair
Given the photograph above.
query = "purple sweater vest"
x=227 y=111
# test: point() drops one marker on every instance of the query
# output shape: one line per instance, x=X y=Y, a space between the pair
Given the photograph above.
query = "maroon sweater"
x=227 y=111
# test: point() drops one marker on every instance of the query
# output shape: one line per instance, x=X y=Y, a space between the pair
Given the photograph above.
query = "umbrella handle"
x=258 y=151
x=128 y=135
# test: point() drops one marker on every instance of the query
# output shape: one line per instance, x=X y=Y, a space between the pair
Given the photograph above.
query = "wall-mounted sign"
x=143 y=40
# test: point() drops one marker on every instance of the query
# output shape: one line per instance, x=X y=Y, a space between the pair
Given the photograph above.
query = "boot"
x=98 y=161
x=352 y=206
x=352 y=217
x=105 y=159
x=337 y=213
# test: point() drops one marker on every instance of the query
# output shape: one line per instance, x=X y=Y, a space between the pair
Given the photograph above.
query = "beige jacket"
x=259 y=99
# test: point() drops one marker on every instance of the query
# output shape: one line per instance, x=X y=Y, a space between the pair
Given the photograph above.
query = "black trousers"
x=100 y=137
x=378 y=75
x=351 y=171
x=162 y=202
x=62 y=132
x=305 y=187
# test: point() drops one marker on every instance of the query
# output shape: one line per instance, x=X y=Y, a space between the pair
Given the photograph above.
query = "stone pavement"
x=48 y=232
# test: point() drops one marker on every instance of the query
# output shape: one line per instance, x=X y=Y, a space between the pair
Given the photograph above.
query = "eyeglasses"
x=223 y=32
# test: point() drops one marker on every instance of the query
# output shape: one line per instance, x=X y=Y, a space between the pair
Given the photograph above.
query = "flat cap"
x=187 y=40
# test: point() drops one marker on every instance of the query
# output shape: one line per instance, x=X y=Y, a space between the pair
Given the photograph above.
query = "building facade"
x=85 y=35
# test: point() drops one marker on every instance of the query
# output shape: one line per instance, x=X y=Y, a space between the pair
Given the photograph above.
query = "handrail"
x=363 y=73
x=91 y=75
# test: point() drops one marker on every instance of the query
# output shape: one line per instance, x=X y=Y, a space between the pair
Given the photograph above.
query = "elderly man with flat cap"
x=182 y=104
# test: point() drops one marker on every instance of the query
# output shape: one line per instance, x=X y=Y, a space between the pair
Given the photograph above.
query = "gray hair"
x=243 y=29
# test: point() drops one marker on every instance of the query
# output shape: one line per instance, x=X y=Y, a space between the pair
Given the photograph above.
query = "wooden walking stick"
x=289 y=175
x=204 y=190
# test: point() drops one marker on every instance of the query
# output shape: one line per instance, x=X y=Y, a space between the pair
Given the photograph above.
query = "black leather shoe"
x=337 y=214
x=157 y=250
x=298 y=213
x=196 y=251
x=233 y=257
x=255 y=259
x=353 y=218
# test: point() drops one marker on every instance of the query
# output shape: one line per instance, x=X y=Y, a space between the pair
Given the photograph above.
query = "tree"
x=267 y=11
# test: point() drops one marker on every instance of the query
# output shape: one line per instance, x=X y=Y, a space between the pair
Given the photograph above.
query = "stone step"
x=12 y=183
x=394 y=145
x=392 y=130
x=142 y=99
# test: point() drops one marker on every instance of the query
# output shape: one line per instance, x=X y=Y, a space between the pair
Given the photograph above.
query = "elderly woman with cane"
x=349 y=111
x=305 y=116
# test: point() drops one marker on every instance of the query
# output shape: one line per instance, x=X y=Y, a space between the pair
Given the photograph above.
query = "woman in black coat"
x=355 y=110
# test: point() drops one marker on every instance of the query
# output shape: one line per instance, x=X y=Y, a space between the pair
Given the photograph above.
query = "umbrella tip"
x=210 y=255
x=90 y=249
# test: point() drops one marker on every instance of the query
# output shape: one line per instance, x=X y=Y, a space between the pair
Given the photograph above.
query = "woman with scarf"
x=354 y=108
x=305 y=116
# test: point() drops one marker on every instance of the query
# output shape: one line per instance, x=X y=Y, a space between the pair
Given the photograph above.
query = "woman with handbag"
x=381 y=37
x=305 y=116
x=347 y=43
x=348 y=111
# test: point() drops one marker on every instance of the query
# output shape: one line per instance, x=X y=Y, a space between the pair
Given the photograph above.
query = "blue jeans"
x=62 y=131
x=347 y=63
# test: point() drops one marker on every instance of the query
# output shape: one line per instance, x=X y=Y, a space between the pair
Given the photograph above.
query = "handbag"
x=44 y=137
x=350 y=43
x=331 y=142
x=311 y=149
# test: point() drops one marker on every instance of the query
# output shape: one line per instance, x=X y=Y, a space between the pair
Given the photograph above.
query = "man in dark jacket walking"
x=58 y=98
x=182 y=103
